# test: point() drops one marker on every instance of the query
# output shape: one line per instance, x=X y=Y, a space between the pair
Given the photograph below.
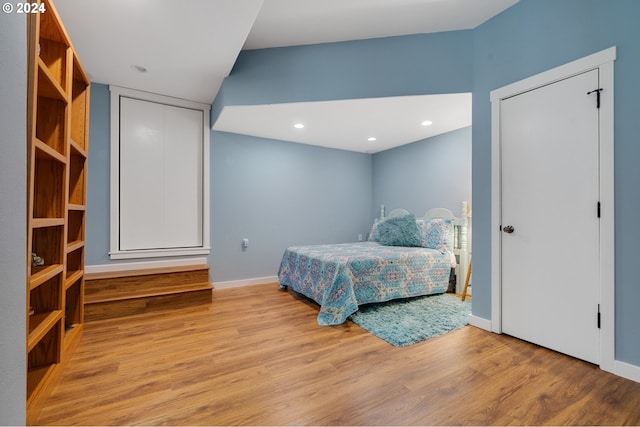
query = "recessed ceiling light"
x=298 y=126
x=427 y=123
x=371 y=139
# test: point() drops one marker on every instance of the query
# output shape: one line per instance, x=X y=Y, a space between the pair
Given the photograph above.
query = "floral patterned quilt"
x=341 y=277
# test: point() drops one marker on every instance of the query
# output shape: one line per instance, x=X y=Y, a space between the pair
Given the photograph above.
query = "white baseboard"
x=480 y=322
x=135 y=266
x=627 y=370
x=245 y=282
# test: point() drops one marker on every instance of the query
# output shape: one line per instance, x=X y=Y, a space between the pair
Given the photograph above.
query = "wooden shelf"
x=73 y=207
x=39 y=275
x=36 y=377
x=75 y=245
x=43 y=151
x=80 y=108
x=50 y=122
x=77 y=181
x=74 y=306
x=47 y=243
x=48 y=87
x=57 y=138
x=75 y=226
x=73 y=278
x=39 y=325
x=72 y=334
x=76 y=149
x=48 y=185
x=46 y=222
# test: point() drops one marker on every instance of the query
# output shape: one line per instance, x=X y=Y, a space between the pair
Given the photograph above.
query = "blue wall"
x=393 y=66
x=435 y=172
x=13 y=221
x=279 y=194
x=98 y=177
x=531 y=37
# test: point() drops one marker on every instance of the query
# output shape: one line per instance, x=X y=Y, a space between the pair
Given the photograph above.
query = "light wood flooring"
x=256 y=356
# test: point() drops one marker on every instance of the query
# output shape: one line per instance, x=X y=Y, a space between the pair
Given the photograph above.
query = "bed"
x=341 y=277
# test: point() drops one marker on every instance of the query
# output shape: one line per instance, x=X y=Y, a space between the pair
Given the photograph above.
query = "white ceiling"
x=393 y=121
x=188 y=47
x=297 y=22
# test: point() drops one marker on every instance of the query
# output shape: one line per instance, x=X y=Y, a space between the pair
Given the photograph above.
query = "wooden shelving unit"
x=57 y=139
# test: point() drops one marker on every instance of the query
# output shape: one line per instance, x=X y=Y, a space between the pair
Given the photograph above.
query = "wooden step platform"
x=124 y=293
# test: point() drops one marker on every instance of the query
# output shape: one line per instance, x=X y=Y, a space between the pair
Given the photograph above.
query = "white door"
x=550 y=261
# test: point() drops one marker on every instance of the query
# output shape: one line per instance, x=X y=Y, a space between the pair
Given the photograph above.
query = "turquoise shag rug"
x=408 y=321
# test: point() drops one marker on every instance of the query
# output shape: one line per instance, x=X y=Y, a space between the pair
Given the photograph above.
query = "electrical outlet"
x=360 y=237
x=245 y=243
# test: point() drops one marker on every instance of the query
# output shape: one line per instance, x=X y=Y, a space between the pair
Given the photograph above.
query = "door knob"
x=508 y=229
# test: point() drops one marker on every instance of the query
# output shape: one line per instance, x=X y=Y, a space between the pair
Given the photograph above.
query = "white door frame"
x=603 y=61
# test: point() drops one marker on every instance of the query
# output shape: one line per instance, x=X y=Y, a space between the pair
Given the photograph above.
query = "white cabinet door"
x=161 y=176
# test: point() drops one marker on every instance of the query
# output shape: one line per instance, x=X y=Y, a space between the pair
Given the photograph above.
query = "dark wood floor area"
x=256 y=356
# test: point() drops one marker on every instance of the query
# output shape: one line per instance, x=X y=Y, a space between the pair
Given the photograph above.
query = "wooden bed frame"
x=461 y=237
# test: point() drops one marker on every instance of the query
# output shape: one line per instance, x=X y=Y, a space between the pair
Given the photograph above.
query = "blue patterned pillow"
x=399 y=231
x=434 y=233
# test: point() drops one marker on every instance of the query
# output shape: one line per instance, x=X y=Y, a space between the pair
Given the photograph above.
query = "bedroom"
x=492 y=60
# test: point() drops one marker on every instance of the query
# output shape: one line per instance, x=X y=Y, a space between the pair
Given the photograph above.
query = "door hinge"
x=597 y=91
x=598 y=209
x=598 y=316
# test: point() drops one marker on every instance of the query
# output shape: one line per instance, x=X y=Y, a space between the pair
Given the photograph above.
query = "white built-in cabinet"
x=159 y=175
